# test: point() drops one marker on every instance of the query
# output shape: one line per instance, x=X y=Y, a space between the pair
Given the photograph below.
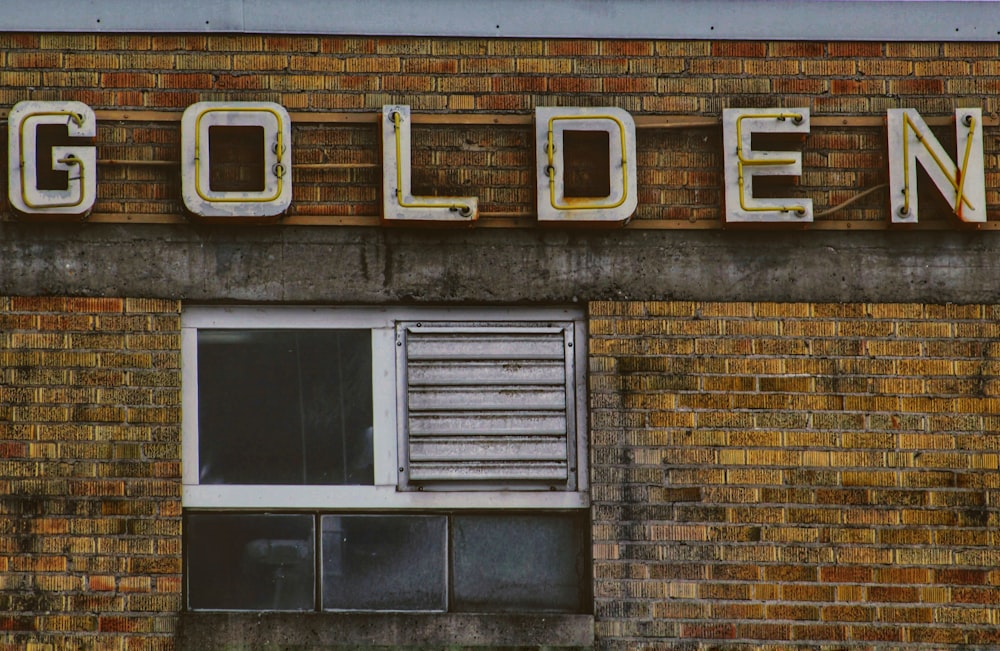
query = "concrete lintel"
x=348 y=265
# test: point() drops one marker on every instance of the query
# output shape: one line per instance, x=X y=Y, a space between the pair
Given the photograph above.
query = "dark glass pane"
x=518 y=562
x=384 y=562
x=285 y=407
x=250 y=562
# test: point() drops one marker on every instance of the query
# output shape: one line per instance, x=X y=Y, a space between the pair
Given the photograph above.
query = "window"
x=384 y=460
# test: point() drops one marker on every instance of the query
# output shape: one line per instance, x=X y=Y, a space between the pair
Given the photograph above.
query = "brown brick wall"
x=789 y=476
x=680 y=176
x=322 y=73
x=90 y=547
x=765 y=476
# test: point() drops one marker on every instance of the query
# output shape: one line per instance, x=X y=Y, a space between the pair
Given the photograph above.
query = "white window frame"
x=385 y=493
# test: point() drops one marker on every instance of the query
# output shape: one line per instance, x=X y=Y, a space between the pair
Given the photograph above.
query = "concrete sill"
x=199 y=631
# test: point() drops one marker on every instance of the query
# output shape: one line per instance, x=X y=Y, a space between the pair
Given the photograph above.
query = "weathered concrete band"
x=333 y=630
x=378 y=265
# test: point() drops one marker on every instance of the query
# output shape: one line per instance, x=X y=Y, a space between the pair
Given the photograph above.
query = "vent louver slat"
x=487 y=405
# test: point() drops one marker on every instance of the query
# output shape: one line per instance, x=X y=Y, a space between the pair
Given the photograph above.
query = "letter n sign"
x=963 y=185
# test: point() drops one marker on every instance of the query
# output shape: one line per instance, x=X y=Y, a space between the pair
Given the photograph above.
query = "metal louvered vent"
x=487 y=406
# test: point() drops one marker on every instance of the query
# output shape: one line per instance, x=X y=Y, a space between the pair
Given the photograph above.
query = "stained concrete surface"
x=374 y=265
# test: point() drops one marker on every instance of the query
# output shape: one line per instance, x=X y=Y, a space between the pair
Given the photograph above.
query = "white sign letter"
x=253 y=141
x=79 y=163
x=910 y=141
x=398 y=202
x=585 y=168
x=743 y=163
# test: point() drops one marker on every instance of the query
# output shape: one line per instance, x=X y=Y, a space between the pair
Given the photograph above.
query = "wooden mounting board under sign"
x=527 y=222
x=508 y=119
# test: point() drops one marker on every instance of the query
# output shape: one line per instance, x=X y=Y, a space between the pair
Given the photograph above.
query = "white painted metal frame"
x=821 y=20
x=570 y=361
x=384 y=494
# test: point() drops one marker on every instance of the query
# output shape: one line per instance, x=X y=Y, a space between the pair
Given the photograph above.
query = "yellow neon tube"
x=741 y=161
x=551 y=172
x=461 y=208
x=278 y=169
x=965 y=164
x=959 y=188
x=71 y=160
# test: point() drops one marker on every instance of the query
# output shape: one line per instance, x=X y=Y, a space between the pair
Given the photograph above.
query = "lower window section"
x=373 y=562
x=516 y=563
x=250 y=562
x=434 y=562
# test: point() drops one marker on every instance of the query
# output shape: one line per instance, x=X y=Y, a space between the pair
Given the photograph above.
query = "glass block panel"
x=390 y=562
x=287 y=407
x=250 y=562
x=530 y=562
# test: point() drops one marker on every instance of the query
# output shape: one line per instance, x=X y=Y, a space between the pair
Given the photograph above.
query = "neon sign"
x=604 y=192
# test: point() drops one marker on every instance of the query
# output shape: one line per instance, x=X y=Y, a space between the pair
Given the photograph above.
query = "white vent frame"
x=524 y=382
